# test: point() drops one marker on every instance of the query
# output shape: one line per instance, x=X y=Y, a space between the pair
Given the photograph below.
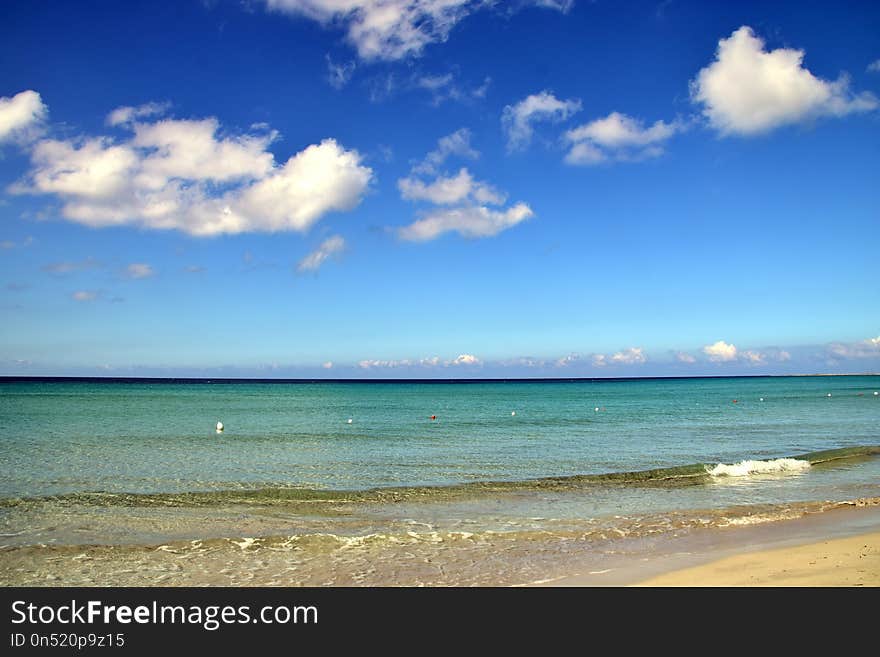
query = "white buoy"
x=829 y=394
x=596 y=409
x=876 y=393
x=762 y=399
x=512 y=413
x=349 y=420
x=219 y=427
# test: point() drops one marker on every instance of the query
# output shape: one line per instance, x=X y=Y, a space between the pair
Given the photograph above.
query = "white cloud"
x=683 y=357
x=472 y=222
x=430 y=362
x=329 y=247
x=84 y=295
x=517 y=119
x=565 y=361
x=472 y=218
x=339 y=75
x=182 y=175
x=869 y=348
x=753 y=357
x=21 y=116
x=139 y=270
x=720 y=352
x=617 y=137
x=874 y=67
x=558 y=5
x=328 y=365
x=631 y=356
x=434 y=82
x=748 y=90
x=124 y=115
x=449 y=190
x=392 y=29
x=458 y=143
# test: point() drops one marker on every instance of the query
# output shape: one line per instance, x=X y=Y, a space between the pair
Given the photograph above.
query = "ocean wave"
x=324 y=501
x=746 y=468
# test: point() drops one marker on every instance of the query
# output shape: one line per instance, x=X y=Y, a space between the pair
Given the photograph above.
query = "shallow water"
x=128 y=483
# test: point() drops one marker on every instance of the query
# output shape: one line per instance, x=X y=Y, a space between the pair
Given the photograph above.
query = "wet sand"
x=844 y=543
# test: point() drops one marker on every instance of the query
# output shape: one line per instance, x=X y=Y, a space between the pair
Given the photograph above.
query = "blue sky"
x=439 y=188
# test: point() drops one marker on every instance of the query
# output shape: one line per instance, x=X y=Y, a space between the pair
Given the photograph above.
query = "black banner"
x=74 y=620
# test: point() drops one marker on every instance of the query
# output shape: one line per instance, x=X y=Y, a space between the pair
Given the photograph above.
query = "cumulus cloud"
x=22 y=116
x=430 y=362
x=720 y=351
x=328 y=365
x=617 y=137
x=631 y=356
x=314 y=260
x=188 y=175
x=449 y=190
x=874 y=67
x=458 y=143
x=753 y=357
x=472 y=222
x=684 y=357
x=869 y=348
x=472 y=217
x=392 y=29
x=565 y=361
x=139 y=270
x=517 y=120
x=126 y=114
x=748 y=90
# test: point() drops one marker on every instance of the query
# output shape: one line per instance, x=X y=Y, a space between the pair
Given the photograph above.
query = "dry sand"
x=852 y=561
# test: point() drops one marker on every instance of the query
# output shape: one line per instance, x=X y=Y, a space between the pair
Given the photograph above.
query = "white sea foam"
x=746 y=468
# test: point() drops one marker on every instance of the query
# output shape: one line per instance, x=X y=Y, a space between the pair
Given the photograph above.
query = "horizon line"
x=206 y=379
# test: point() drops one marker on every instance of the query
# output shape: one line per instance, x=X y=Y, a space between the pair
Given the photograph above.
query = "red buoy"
x=433 y=417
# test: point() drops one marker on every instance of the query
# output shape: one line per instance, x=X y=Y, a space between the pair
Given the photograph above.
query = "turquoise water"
x=128 y=483
x=72 y=437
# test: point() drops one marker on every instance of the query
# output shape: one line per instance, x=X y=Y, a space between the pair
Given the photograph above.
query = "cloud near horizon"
x=869 y=348
x=188 y=175
x=434 y=361
x=748 y=90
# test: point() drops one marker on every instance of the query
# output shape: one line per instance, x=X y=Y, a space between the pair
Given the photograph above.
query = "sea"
x=338 y=483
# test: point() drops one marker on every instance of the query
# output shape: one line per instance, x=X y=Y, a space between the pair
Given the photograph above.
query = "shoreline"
x=853 y=561
x=823 y=549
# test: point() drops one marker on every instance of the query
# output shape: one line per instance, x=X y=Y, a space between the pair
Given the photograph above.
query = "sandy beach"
x=852 y=561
